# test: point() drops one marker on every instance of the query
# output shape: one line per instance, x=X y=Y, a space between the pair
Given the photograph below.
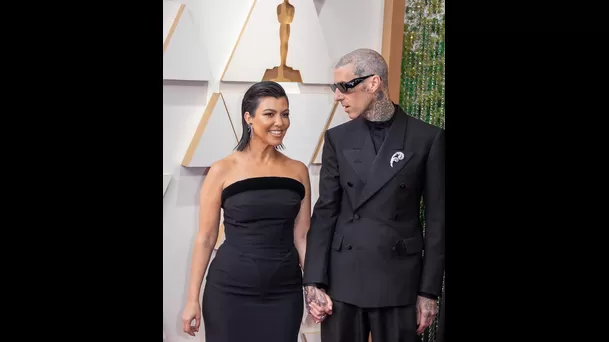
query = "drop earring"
x=250 y=129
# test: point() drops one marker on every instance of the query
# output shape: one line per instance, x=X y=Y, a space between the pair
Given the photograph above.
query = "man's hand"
x=427 y=309
x=318 y=302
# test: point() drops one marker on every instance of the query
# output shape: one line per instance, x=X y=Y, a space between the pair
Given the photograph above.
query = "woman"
x=254 y=284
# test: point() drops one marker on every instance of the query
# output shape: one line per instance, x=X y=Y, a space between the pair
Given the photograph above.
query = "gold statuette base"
x=286 y=74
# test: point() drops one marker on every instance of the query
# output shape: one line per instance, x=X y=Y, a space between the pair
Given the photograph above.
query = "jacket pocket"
x=410 y=246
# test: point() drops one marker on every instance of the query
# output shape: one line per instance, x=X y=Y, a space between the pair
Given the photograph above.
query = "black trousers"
x=349 y=323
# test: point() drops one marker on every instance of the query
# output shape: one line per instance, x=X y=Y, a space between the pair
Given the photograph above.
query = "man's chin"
x=352 y=115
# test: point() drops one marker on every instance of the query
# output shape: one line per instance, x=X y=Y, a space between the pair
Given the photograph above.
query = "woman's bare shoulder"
x=221 y=169
x=297 y=168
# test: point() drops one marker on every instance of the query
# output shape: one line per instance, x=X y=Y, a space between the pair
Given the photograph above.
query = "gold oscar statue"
x=283 y=73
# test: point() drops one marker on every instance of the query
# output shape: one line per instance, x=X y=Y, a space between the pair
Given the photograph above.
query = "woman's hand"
x=191 y=311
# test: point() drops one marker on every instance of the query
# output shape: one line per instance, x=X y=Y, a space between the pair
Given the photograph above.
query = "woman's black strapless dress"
x=254 y=291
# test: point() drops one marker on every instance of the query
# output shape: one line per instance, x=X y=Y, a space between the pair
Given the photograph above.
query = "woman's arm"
x=303 y=220
x=209 y=222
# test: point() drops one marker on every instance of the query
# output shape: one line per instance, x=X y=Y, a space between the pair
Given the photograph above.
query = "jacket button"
x=356 y=217
x=402 y=185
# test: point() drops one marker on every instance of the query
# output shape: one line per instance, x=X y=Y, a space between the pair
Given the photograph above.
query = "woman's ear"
x=248 y=118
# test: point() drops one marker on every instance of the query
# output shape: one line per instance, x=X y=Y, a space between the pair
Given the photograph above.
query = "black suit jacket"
x=365 y=243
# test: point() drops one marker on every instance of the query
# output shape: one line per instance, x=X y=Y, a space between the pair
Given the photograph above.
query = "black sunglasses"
x=343 y=87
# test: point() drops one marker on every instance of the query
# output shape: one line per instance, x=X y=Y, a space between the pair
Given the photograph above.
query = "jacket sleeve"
x=433 y=198
x=323 y=220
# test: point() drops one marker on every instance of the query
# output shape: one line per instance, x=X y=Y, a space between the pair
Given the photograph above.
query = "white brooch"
x=396 y=157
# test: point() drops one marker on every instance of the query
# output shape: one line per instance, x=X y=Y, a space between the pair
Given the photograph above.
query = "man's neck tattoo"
x=381 y=109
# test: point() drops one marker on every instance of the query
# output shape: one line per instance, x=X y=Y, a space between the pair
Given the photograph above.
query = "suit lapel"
x=361 y=154
x=390 y=159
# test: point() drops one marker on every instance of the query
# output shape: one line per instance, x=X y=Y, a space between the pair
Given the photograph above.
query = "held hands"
x=427 y=309
x=319 y=304
x=191 y=311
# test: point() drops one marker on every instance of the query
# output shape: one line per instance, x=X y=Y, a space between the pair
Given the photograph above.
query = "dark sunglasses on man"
x=344 y=87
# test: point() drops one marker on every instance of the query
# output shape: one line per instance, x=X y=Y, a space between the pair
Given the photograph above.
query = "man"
x=368 y=268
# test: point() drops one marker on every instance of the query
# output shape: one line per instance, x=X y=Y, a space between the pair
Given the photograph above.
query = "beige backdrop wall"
x=212 y=52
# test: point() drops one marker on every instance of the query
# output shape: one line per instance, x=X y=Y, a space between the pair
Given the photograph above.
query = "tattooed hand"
x=319 y=304
x=427 y=309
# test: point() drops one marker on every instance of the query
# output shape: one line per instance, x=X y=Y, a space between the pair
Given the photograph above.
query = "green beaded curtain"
x=422 y=78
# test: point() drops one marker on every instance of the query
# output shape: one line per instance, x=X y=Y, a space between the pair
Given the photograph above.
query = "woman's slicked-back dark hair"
x=250 y=103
